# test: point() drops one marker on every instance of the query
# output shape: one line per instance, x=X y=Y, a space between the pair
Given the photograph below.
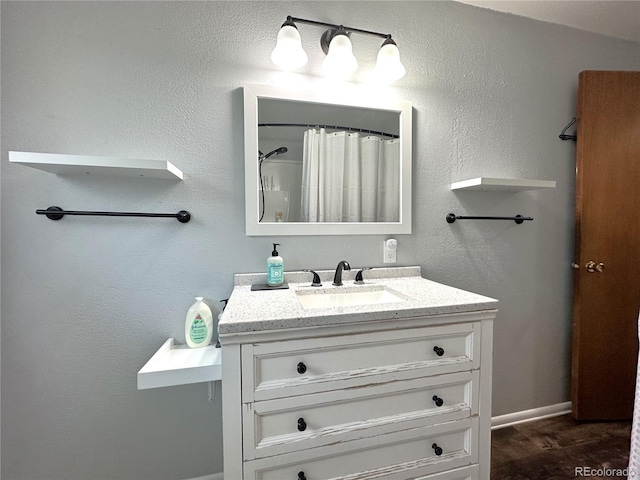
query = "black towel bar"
x=451 y=217
x=56 y=213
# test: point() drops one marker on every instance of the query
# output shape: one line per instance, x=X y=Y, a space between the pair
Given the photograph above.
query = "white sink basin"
x=323 y=299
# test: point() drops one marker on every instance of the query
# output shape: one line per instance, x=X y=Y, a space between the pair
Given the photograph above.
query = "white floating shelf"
x=502 y=184
x=180 y=365
x=88 y=165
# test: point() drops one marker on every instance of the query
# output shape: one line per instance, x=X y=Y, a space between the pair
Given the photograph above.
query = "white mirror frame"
x=252 y=93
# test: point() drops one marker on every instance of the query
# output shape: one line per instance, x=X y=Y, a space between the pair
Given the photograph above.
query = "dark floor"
x=559 y=448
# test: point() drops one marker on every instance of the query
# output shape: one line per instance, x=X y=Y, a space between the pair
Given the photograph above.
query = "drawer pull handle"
x=301 y=476
x=302 y=425
x=438 y=401
x=301 y=368
x=436 y=449
x=439 y=351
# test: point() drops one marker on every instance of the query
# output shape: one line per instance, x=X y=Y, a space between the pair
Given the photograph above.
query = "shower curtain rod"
x=335 y=127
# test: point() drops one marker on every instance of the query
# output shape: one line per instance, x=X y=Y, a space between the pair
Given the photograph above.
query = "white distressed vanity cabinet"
x=365 y=391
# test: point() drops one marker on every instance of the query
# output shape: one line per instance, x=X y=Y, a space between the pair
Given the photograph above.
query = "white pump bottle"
x=198 y=328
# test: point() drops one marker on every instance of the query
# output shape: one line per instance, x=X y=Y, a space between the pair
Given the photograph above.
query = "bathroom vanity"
x=390 y=379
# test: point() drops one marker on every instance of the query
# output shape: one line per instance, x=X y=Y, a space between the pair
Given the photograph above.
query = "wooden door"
x=606 y=293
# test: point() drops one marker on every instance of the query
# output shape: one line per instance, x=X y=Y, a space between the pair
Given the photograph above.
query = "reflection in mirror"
x=323 y=167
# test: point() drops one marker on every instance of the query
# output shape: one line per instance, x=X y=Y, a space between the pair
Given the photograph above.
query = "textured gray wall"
x=86 y=301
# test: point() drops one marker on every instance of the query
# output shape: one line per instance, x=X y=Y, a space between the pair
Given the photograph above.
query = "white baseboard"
x=213 y=476
x=549 y=411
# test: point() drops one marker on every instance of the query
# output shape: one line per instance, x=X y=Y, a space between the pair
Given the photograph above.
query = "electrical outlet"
x=389 y=248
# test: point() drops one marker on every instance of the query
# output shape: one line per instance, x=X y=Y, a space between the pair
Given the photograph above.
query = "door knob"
x=600 y=267
x=574 y=265
x=590 y=266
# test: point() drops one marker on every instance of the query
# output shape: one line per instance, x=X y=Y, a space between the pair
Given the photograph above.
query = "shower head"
x=277 y=151
x=262 y=158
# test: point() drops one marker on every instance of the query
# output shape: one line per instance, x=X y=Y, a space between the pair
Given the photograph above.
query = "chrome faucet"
x=337 y=278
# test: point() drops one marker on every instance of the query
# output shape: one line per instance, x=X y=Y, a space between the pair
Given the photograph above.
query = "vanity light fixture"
x=289 y=53
x=388 y=65
x=340 y=60
x=335 y=42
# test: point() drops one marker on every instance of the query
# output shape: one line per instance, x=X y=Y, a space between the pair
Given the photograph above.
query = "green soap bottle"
x=275 y=268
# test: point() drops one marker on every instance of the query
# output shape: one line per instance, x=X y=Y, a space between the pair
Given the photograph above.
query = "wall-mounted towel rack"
x=452 y=217
x=56 y=213
x=563 y=135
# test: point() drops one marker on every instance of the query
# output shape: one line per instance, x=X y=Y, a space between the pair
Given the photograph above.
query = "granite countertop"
x=249 y=311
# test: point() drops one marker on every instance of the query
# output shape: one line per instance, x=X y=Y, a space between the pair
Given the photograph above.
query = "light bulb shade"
x=288 y=52
x=340 y=60
x=388 y=64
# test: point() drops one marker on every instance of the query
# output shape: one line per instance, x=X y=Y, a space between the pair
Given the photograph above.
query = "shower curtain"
x=634 y=455
x=347 y=177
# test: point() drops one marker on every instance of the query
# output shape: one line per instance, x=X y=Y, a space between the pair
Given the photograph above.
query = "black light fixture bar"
x=56 y=213
x=451 y=217
x=333 y=26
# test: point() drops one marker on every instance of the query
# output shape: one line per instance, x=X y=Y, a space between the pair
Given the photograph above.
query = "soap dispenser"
x=275 y=268
x=198 y=328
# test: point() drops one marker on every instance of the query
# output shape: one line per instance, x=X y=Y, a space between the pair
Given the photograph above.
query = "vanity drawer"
x=467 y=473
x=396 y=456
x=285 y=425
x=298 y=367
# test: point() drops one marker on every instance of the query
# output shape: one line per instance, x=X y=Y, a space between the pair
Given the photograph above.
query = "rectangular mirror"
x=316 y=165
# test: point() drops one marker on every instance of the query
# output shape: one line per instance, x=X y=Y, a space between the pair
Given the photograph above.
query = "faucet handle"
x=359 y=280
x=316 y=278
